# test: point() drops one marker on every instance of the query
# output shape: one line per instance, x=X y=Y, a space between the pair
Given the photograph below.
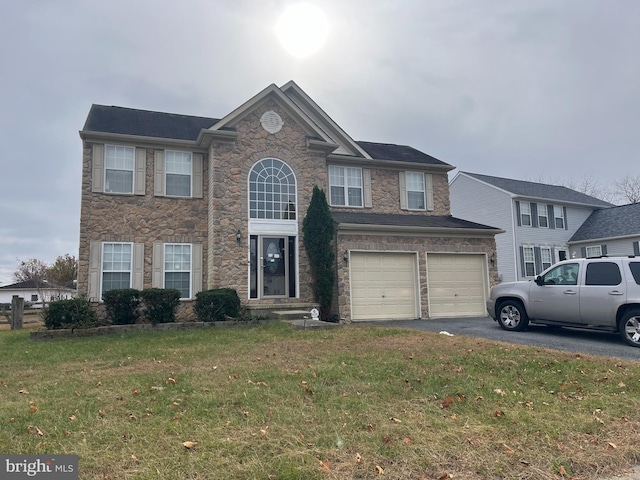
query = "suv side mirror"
x=538 y=280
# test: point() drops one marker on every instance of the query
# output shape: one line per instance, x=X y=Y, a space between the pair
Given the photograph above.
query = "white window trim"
x=166 y=173
x=543 y=213
x=423 y=191
x=190 y=271
x=523 y=213
x=102 y=270
x=346 y=187
x=542 y=262
x=133 y=170
x=558 y=212
x=525 y=261
x=597 y=248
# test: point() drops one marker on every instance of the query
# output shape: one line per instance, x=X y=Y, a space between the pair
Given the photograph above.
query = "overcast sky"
x=525 y=89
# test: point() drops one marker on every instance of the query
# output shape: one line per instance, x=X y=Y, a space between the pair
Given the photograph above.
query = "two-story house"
x=538 y=219
x=193 y=203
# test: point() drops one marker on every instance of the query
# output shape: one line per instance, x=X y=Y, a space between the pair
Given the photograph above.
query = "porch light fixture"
x=493 y=259
x=345 y=256
x=238 y=236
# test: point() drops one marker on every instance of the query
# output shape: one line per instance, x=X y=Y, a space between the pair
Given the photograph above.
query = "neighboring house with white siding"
x=35 y=292
x=538 y=219
x=611 y=231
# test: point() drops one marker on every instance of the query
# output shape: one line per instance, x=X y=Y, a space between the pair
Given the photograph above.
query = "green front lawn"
x=273 y=402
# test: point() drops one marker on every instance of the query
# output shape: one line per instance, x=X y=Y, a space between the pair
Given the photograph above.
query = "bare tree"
x=628 y=189
x=587 y=185
x=32 y=269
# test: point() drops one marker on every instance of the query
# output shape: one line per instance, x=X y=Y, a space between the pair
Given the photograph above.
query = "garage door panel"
x=456 y=285
x=383 y=285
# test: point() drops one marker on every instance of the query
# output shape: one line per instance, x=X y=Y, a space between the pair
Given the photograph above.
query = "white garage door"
x=383 y=286
x=456 y=285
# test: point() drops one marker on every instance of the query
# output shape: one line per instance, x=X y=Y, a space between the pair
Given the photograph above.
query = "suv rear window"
x=603 y=273
x=635 y=271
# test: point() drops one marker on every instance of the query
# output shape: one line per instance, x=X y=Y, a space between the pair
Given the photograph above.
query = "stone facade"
x=215 y=220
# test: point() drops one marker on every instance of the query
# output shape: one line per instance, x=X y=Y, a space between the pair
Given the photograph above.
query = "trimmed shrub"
x=217 y=305
x=122 y=305
x=160 y=304
x=73 y=313
x=318 y=230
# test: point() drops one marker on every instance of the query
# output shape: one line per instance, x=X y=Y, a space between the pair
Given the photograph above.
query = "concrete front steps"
x=298 y=315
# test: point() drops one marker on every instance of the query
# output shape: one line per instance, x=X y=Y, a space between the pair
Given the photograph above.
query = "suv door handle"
x=570 y=292
x=616 y=292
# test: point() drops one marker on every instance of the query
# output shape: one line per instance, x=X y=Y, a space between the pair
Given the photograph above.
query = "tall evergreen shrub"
x=318 y=231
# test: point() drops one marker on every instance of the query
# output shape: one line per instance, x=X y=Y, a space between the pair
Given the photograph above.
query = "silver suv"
x=595 y=293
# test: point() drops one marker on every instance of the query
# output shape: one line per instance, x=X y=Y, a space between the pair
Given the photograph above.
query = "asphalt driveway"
x=565 y=339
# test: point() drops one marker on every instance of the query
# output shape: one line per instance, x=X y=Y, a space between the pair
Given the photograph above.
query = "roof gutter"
x=336 y=159
x=417 y=231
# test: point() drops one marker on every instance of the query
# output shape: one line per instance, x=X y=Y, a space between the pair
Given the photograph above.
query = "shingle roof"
x=402 y=153
x=34 y=285
x=424 y=221
x=609 y=223
x=145 y=123
x=542 y=191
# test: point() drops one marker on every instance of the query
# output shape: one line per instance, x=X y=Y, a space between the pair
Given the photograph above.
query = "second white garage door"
x=383 y=285
x=456 y=285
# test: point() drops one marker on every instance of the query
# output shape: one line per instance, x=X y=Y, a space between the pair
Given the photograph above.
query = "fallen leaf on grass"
x=171 y=381
x=325 y=466
x=444 y=476
x=499 y=392
x=379 y=470
x=23 y=391
x=562 y=471
x=407 y=440
x=73 y=418
x=395 y=420
x=358 y=458
x=35 y=431
x=12 y=420
x=611 y=446
x=33 y=408
x=189 y=444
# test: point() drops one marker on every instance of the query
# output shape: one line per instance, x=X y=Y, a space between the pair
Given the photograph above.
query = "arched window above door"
x=272 y=190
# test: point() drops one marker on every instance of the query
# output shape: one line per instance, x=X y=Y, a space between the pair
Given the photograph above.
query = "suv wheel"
x=630 y=327
x=512 y=316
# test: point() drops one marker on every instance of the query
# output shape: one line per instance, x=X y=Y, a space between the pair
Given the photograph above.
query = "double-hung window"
x=345 y=186
x=558 y=216
x=119 y=166
x=415 y=190
x=116 y=266
x=543 y=219
x=178 y=173
x=594 y=251
x=529 y=261
x=545 y=257
x=177 y=268
x=525 y=213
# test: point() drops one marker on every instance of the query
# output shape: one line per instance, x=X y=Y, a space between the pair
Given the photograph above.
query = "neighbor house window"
x=525 y=213
x=529 y=261
x=558 y=215
x=595 y=251
x=272 y=190
x=543 y=219
x=177 y=268
x=178 y=173
x=415 y=190
x=545 y=257
x=345 y=186
x=119 y=164
x=116 y=266
x=34 y=297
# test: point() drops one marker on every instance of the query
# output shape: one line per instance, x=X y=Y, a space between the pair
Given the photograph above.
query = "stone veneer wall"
x=138 y=218
x=421 y=245
x=228 y=260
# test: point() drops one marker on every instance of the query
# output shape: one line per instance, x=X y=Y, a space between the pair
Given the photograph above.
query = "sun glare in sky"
x=302 y=29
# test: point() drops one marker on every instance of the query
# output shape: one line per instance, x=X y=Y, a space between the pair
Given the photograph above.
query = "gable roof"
x=396 y=221
x=542 y=191
x=115 y=120
x=145 y=123
x=621 y=221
